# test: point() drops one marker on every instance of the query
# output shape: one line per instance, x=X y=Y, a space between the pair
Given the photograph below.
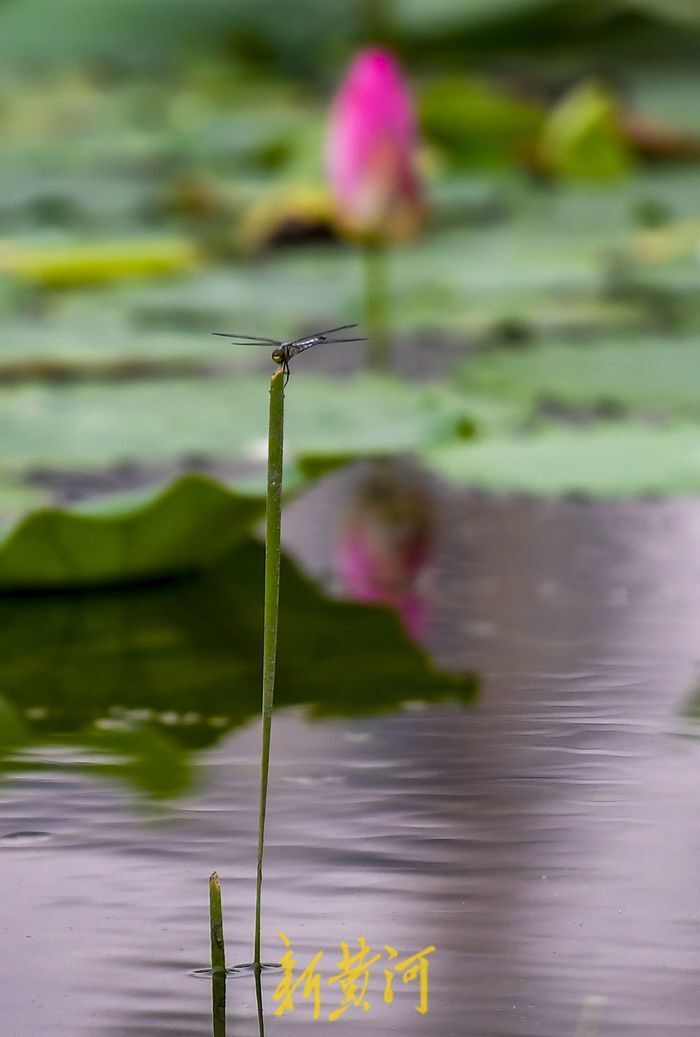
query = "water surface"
x=545 y=838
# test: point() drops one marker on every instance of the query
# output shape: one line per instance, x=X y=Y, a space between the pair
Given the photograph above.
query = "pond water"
x=544 y=838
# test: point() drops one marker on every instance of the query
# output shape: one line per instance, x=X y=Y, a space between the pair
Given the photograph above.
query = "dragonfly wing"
x=330 y=331
x=243 y=340
x=320 y=336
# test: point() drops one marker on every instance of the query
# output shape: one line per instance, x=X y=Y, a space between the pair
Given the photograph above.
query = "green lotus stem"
x=272 y=593
x=216 y=925
x=376 y=292
x=218 y=958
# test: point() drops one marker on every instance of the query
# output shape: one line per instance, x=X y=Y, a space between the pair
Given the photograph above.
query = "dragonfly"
x=284 y=351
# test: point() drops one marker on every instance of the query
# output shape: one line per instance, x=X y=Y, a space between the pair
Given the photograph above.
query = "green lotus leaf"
x=85 y=427
x=177 y=530
x=607 y=460
x=651 y=374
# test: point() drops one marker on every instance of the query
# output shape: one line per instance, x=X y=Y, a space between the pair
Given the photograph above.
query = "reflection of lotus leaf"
x=148 y=673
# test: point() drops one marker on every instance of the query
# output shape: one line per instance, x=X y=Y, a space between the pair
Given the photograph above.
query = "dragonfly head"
x=278 y=357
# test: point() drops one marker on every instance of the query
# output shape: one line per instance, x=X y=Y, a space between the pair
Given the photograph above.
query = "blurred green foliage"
x=162 y=178
x=582 y=137
x=132 y=32
x=478 y=123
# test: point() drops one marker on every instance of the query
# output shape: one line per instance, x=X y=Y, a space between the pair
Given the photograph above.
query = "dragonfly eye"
x=277 y=356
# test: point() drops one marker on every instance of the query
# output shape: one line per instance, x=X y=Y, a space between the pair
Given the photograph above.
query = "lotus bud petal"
x=372 y=150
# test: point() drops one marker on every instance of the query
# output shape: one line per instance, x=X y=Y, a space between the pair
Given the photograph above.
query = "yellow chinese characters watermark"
x=412 y=968
x=352 y=977
x=288 y=985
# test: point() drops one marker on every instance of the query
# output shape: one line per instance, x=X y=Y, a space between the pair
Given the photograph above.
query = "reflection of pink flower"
x=380 y=580
x=371 y=150
x=386 y=547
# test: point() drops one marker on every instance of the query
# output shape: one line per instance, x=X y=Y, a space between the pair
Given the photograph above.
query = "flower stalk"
x=271 y=616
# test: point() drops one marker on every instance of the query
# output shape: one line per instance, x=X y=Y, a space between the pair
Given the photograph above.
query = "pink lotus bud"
x=372 y=150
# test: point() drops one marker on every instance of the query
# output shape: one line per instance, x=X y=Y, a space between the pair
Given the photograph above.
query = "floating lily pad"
x=610 y=460
x=69 y=265
x=178 y=530
x=651 y=374
x=87 y=426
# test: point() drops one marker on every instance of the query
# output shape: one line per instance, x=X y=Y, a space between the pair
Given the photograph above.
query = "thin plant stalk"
x=376 y=294
x=218 y=958
x=259 y=1003
x=216 y=925
x=272 y=591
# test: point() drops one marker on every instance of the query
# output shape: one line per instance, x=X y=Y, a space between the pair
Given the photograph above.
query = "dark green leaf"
x=163 y=669
x=179 y=530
